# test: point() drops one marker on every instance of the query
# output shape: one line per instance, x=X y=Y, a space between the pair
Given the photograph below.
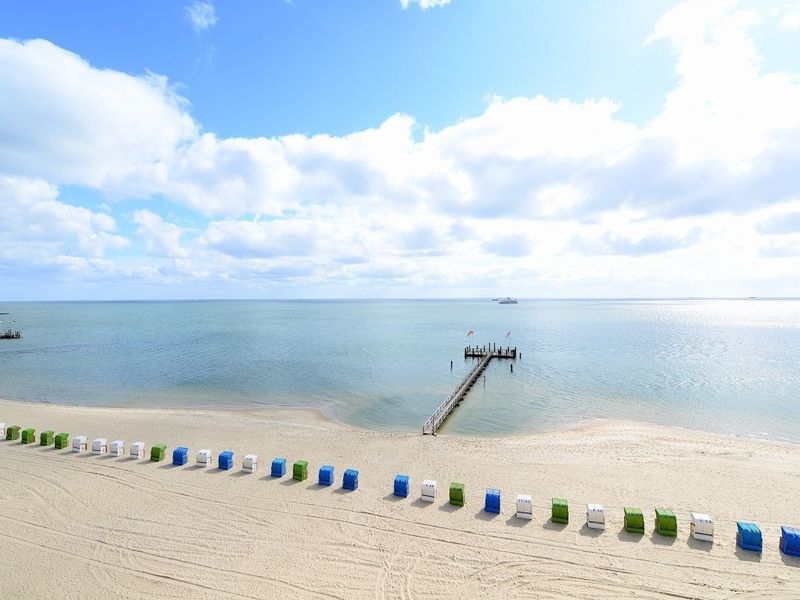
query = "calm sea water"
x=728 y=366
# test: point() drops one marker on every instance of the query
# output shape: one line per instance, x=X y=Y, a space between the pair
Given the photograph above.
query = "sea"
x=724 y=366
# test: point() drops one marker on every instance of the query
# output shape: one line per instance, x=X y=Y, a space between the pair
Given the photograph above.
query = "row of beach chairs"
x=748 y=535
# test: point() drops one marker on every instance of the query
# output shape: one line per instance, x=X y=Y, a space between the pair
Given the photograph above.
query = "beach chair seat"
x=401 y=484
x=28 y=435
x=47 y=438
x=702 y=527
x=491 y=503
x=278 y=468
x=118 y=448
x=428 y=493
x=457 y=494
x=325 y=475
x=204 y=458
x=100 y=446
x=250 y=463
x=180 y=456
x=350 y=479
x=560 y=511
x=137 y=449
x=595 y=516
x=12 y=432
x=666 y=523
x=748 y=536
x=634 y=519
x=524 y=506
x=790 y=540
x=62 y=441
x=225 y=460
x=300 y=470
x=158 y=452
x=80 y=443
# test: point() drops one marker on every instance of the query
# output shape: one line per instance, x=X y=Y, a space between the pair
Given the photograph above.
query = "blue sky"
x=162 y=149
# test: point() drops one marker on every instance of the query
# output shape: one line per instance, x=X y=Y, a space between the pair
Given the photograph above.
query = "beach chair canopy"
x=429 y=490
x=748 y=536
x=457 y=494
x=401 y=483
x=278 y=467
x=492 y=501
x=790 y=540
x=595 y=516
x=702 y=526
x=326 y=475
x=225 y=460
x=180 y=455
x=560 y=511
x=350 y=479
x=203 y=457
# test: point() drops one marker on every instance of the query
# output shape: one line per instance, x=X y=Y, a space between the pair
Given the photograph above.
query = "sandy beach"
x=87 y=526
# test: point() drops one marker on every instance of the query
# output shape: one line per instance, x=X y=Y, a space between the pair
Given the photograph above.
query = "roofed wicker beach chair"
x=748 y=536
x=702 y=527
x=560 y=511
x=666 y=523
x=634 y=519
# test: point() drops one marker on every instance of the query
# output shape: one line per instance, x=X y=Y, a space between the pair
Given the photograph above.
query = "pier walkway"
x=485 y=354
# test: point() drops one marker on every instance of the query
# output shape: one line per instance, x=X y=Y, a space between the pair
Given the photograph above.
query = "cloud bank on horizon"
x=535 y=196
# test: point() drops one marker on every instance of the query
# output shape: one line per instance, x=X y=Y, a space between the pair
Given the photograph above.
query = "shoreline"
x=154 y=529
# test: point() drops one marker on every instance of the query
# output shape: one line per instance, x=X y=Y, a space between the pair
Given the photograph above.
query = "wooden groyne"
x=485 y=354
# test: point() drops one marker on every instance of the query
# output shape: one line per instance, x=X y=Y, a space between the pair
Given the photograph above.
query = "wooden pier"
x=485 y=354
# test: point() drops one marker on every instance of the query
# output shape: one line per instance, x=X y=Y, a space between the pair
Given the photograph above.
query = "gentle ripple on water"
x=718 y=365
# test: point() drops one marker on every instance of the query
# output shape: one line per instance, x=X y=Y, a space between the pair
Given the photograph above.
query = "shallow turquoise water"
x=727 y=366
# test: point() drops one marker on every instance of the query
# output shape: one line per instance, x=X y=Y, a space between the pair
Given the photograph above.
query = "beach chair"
x=62 y=441
x=491 y=501
x=401 y=483
x=250 y=463
x=595 y=516
x=457 y=494
x=158 y=452
x=100 y=446
x=137 y=449
x=428 y=490
x=524 y=507
x=28 y=435
x=180 y=456
x=790 y=541
x=560 y=511
x=634 y=520
x=748 y=536
x=225 y=460
x=118 y=448
x=47 y=438
x=300 y=470
x=204 y=458
x=12 y=432
x=666 y=523
x=350 y=479
x=278 y=467
x=2 y=430
x=325 y=475
x=80 y=443
x=702 y=527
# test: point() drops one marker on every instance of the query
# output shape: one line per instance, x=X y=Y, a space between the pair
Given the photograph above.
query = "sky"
x=165 y=149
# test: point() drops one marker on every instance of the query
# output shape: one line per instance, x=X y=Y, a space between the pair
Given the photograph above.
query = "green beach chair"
x=666 y=523
x=47 y=439
x=560 y=512
x=12 y=433
x=457 y=494
x=300 y=470
x=28 y=435
x=62 y=441
x=157 y=452
x=634 y=520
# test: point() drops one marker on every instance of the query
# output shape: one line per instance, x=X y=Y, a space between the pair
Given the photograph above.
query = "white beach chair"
x=2 y=431
x=702 y=527
x=118 y=448
x=250 y=463
x=137 y=449
x=595 y=516
x=204 y=458
x=428 y=490
x=524 y=506
x=80 y=443
x=100 y=446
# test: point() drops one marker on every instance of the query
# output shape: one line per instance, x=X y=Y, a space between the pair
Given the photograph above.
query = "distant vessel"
x=10 y=335
x=508 y=300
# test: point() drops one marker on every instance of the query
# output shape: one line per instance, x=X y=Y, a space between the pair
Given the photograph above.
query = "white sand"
x=83 y=526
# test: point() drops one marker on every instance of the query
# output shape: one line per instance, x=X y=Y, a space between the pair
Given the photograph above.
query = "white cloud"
x=201 y=15
x=424 y=4
x=545 y=196
x=791 y=19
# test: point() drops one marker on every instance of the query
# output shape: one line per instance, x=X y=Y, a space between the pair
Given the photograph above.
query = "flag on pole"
x=470 y=332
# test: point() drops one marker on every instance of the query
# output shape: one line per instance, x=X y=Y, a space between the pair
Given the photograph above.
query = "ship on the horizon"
x=508 y=300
